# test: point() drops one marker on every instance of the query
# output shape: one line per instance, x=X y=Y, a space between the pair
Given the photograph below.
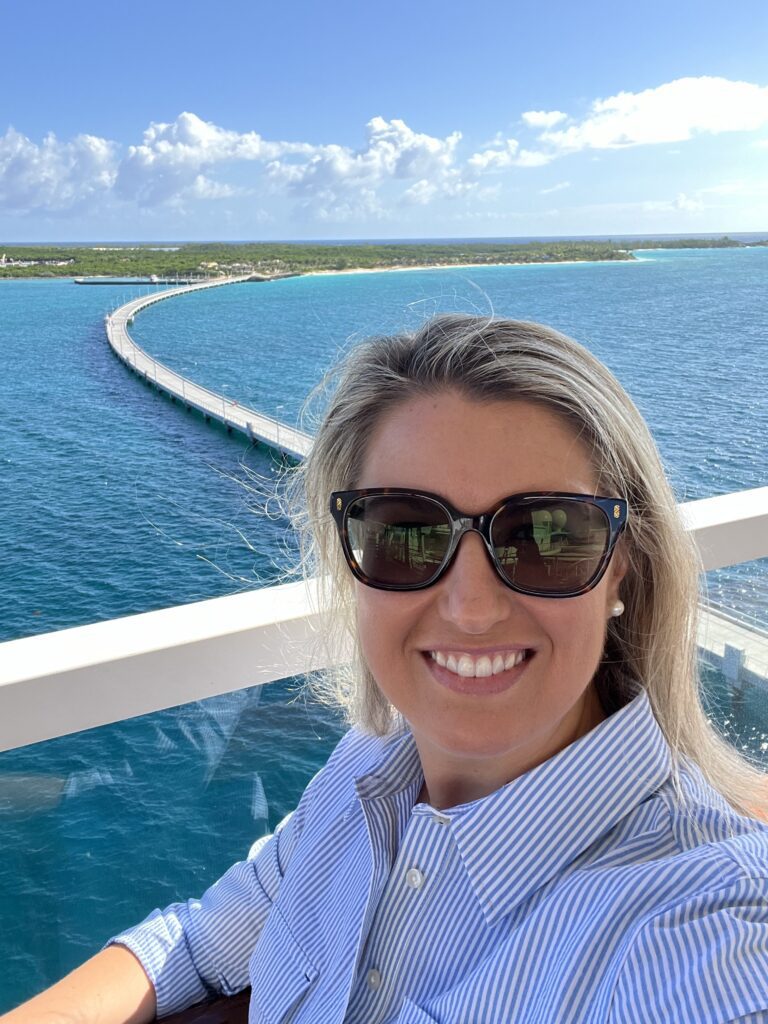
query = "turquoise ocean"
x=115 y=501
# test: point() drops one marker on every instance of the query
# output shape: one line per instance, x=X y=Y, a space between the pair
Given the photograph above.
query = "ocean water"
x=116 y=501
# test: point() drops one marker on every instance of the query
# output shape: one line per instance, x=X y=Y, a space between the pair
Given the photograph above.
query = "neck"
x=454 y=778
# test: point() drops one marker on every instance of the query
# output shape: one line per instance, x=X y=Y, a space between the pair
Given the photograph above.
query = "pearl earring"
x=617 y=609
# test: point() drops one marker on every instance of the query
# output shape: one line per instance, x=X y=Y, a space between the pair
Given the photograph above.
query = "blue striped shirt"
x=591 y=889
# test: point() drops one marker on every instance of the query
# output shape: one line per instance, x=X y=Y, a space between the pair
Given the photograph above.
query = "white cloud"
x=54 y=175
x=183 y=164
x=168 y=161
x=342 y=181
x=177 y=161
x=543 y=118
x=421 y=192
x=509 y=154
x=393 y=151
x=681 y=203
x=334 y=205
x=502 y=155
x=449 y=185
x=554 y=188
x=672 y=112
x=533 y=158
x=204 y=188
x=687 y=204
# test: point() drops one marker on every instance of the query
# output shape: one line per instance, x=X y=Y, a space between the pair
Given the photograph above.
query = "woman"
x=533 y=820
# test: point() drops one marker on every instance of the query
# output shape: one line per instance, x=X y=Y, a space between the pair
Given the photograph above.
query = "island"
x=168 y=263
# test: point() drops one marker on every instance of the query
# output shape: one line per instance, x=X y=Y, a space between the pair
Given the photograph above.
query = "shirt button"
x=414 y=878
x=440 y=819
x=373 y=979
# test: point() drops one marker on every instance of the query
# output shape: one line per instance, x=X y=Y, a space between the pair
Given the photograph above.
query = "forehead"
x=475 y=452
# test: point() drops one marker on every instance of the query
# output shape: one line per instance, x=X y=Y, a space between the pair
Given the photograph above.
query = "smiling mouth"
x=481 y=666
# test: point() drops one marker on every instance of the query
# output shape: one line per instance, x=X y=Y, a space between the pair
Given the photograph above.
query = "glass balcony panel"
x=734 y=655
x=100 y=827
x=741 y=591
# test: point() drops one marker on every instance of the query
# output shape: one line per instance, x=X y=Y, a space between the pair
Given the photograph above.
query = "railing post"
x=733 y=663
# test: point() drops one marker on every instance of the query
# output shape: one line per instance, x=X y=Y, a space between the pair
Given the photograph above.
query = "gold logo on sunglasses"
x=616 y=511
x=338 y=504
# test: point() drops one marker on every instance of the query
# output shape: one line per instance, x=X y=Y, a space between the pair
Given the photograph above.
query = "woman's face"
x=476 y=733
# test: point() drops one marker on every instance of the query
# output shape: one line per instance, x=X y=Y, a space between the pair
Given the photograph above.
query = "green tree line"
x=272 y=258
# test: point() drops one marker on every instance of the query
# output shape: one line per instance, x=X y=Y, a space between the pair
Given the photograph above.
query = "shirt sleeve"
x=199 y=948
x=703 y=961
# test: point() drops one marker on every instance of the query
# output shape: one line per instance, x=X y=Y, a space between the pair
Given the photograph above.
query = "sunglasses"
x=546 y=543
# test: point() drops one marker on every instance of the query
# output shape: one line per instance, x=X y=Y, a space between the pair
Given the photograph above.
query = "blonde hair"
x=487 y=359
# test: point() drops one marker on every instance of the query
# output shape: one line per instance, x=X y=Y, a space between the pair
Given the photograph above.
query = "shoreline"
x=353 y=270
x=455 y=266
x=274 y=260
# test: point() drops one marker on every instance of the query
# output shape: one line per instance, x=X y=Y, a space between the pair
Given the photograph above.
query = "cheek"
x=380 y=624
x=365 y=617
x=577 y=628
x=386 y=623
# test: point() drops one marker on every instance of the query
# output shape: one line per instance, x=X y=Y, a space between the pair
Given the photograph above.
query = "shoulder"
x=703 y=825
x=699 y=950
x=702 y=957
x=325 y=801
x=333 y=788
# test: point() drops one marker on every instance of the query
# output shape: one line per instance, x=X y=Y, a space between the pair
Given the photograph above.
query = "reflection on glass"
x=98 y=828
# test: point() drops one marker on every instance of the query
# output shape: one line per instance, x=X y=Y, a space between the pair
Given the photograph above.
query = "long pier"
x=140 y=280
x=213 y=406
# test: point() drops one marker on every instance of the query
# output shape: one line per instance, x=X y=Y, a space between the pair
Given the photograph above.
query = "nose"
x=472 y=597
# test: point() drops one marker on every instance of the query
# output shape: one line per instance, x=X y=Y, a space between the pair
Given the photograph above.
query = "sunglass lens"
x=397 y=540
x=550 y=546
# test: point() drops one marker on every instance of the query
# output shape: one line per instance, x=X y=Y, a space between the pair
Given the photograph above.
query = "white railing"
x=75 y=679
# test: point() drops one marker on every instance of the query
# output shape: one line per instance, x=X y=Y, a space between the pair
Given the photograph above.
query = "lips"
x=479 y=666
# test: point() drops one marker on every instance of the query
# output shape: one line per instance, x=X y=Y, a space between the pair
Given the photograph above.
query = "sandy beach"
x=457 y=266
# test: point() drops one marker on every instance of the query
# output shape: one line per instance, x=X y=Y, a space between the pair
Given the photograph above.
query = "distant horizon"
x=412 y=240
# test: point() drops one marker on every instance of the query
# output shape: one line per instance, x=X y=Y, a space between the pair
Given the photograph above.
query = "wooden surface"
x=232 y=1010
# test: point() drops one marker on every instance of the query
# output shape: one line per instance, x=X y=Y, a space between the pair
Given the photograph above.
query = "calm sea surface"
x=115 y=501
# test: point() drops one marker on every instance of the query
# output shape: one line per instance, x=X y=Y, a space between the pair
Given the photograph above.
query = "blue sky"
x=371 y=120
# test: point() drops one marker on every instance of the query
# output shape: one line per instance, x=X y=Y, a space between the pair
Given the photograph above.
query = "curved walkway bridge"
x=213 y=406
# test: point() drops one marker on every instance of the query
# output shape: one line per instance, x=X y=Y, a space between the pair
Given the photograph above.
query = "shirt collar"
x=398 y=768
x=515 y=840
x=518 y=838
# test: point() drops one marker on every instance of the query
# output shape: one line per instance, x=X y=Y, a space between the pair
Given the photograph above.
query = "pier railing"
x=78 y=678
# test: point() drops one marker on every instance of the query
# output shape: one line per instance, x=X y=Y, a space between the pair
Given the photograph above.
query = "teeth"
x=513 y=659
x=466 y=665
x=484 y=666
x=480 y=667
